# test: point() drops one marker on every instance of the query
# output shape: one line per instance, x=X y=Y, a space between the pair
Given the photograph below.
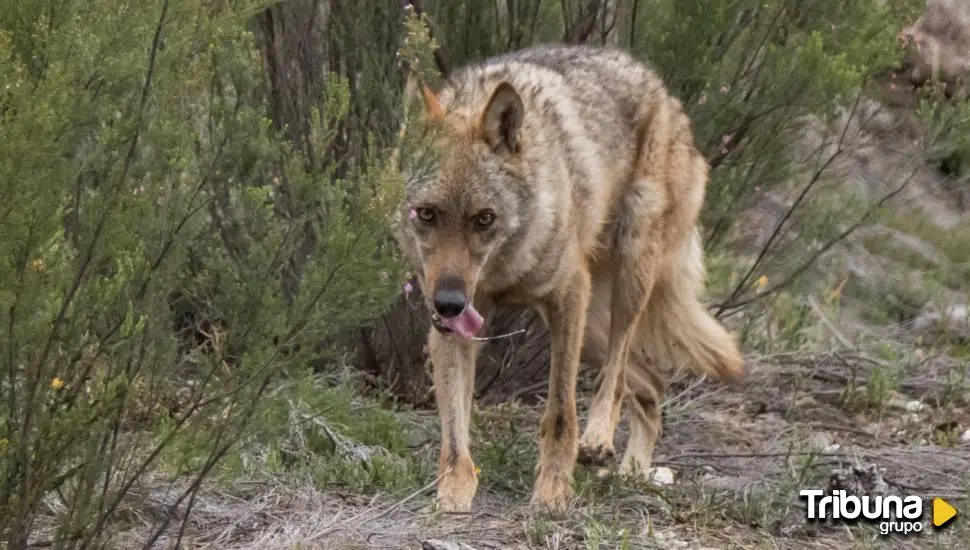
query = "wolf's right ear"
x=433 y=109
x=502 y=119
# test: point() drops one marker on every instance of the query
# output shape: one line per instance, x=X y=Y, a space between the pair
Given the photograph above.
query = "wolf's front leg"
x=565 y=314
x=453 y=361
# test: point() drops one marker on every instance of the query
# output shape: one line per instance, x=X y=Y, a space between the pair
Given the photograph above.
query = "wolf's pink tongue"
x=466 y=324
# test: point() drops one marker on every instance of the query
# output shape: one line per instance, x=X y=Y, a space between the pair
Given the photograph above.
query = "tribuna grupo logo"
x=894 y=514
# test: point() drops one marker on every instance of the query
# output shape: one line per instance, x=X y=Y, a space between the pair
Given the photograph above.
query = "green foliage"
x=143 y=188
x=505 y=451
x=948 y=121
x=308 y=428
x=755 y=77
x=418 y=46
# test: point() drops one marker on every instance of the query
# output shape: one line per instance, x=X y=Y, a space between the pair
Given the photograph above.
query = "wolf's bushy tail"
x=677 y=329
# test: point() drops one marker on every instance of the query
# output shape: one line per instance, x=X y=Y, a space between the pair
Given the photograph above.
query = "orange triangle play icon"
x=942 y=512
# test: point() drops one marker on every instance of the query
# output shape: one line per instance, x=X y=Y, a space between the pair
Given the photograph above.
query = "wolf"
x=563 y=179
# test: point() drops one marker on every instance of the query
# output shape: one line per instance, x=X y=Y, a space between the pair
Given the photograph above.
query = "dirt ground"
x=740 y=455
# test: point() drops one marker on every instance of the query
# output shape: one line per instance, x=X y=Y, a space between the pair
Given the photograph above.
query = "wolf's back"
x=587 y=68
x=607 y=86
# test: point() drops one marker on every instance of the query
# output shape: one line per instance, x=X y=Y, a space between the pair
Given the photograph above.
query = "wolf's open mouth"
x=466 y=324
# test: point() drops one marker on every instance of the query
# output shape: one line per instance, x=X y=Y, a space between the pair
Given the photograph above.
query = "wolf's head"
x=464 y=210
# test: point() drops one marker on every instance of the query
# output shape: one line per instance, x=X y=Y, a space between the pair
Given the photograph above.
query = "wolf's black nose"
x=449 y=297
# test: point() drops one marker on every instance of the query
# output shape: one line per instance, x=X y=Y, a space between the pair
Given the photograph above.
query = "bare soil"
x=740 y=455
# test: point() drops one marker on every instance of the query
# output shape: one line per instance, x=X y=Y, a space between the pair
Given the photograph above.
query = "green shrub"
x=144 y=190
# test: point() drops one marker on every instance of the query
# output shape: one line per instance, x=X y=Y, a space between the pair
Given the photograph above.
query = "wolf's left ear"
x=502 y=119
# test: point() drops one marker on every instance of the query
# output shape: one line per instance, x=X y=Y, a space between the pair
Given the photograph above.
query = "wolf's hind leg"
x=453 y=363
x=643 y=381
x=635 y=254
x=645 y=393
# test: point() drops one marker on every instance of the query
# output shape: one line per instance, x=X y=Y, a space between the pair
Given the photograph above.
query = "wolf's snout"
x=449 y=297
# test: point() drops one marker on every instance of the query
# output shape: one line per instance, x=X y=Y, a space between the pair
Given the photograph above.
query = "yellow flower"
x=762 y=282
x=37 y=265
x=477 y=471
x=57 y=383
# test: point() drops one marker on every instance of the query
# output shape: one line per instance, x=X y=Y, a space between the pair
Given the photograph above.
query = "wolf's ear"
x=432 y=106
x=502 y=119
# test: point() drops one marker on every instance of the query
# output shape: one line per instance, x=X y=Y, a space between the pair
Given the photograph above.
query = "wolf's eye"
x=484 y=219
x=426 y=215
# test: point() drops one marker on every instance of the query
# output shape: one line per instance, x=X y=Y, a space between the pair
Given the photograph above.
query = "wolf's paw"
x=456 y=491
x=595 y=453
x=454 y=499
x=553 y=493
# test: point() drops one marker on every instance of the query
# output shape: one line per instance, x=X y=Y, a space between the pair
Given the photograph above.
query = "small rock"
x=831 y=449
x=821 y=440
x=908 y=405
x=914 y=406
x=755 y=408
x=662 y=476
x=806 y=402
x=965 y=437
